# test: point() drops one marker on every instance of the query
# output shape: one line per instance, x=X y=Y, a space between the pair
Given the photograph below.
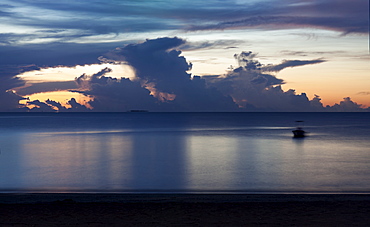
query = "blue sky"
x=315 y=51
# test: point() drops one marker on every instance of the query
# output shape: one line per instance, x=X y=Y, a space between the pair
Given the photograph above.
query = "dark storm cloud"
x=114 y=95
x=157 y=61
x=162 y=82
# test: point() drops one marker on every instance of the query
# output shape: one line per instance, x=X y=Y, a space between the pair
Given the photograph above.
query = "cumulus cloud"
x=347 y=105
x=255 y=90
x=40 y=106
x=162 y=82
x=53 y=106
x=114 y=95
x=22 y=58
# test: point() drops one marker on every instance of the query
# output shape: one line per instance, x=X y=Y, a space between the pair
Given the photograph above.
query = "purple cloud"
x=163 y=83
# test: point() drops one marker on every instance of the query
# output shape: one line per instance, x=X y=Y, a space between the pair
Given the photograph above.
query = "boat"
x=299 y=132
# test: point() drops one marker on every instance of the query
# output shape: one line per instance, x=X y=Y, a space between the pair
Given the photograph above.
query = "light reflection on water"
x=187 y=159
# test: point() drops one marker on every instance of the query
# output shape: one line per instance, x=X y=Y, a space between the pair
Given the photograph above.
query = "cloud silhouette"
x=40 y=106
x=255 y=90
x=115 y=95
x=290 y=64
x=163 y=83
x=347 y=105
x=8 y=81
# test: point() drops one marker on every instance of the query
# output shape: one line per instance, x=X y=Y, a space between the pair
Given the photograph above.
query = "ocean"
x=146 y=152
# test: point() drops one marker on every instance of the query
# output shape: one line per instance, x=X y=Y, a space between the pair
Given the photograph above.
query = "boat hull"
x=299 y=133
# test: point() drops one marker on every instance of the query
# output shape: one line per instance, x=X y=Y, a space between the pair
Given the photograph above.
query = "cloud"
x=56 y=104
x=165 y=84
x=223 y=44
x=364 y=93
x=162 y=82
x=76 y=107
x=53 y=106
x=254 y=90
x=8 y=81
x=114 y=95
x=347 y=105
x=339 y=15
x=157 y=61
x=287 y=22
x=306 y=53
x=53 y=54
x=40 y=106
x=81 y=21
x=34 y=88
x=290 y=63
x=22 y=58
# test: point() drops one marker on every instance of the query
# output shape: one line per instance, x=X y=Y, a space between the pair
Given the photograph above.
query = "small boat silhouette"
x=299 y=132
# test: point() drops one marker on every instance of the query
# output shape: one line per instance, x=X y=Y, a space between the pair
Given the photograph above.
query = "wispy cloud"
x=343 y=16
x=364 y=93
x=290 y=64
x=70 y=20
x=46 y=87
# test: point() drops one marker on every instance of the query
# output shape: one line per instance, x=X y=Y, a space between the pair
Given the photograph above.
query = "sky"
x=176 y=55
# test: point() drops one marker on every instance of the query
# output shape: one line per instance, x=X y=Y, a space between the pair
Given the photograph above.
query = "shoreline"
x=20 y=198
x=77 y=209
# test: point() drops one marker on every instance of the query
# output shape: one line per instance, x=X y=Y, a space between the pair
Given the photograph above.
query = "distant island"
x=135 y=111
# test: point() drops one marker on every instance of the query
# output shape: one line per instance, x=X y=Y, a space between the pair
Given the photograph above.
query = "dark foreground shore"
x=184 y=209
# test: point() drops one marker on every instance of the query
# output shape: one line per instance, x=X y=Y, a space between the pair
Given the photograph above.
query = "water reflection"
x=183 y=157
x=158 y=161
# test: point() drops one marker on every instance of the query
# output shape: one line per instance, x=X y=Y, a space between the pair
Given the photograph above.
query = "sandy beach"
x=58 y=209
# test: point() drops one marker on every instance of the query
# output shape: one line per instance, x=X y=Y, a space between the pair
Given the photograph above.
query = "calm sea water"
x=184 y=152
